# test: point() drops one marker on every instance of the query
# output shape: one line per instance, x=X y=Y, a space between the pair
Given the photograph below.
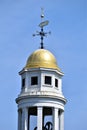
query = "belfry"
x=41 y=100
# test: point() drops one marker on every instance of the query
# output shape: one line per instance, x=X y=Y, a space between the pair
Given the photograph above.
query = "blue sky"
x=19 y=19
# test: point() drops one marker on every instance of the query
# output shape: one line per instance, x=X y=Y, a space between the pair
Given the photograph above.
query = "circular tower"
x=41 y=100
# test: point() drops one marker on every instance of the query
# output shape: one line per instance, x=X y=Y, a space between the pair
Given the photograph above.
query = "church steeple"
x=41 y=100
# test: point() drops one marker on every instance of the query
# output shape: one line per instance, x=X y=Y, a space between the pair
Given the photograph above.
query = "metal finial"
x=41 y=33
x=42 y=14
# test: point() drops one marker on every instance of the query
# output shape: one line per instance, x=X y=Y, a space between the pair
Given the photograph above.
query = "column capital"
x=24 y=109
x=56 y=108
x=39 y=107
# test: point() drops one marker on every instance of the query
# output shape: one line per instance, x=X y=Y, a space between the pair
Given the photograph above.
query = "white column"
x=62 y=120
x=25 y=119
x=39 y=118
x=19 y=119
x=55 y=119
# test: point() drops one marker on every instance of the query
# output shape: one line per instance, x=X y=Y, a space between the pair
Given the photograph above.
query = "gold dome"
x=42 y=58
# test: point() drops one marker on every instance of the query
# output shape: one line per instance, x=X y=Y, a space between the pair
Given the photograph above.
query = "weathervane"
x=42 y=34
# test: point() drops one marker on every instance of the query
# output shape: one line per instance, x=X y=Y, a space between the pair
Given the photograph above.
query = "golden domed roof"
x=42 y=58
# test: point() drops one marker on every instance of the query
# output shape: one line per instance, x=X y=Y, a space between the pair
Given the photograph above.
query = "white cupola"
x=41 y=100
